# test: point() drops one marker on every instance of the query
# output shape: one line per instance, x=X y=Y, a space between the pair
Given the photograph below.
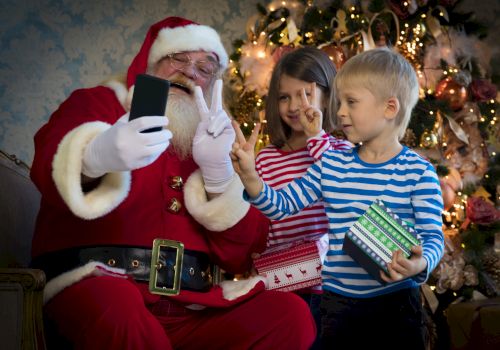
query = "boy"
x=376 y=92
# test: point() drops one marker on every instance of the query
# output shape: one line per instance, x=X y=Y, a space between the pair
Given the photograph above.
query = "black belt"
x=165 y=257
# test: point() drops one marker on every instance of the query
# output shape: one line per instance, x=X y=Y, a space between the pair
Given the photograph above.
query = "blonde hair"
x=385 y=74
x=307 y=64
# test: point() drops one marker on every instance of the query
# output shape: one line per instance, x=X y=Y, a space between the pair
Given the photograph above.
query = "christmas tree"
x=455 y=124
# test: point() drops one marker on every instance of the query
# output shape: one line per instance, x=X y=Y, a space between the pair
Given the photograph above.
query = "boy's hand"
x=311 y=118
x=243 y=159
x=401 y=267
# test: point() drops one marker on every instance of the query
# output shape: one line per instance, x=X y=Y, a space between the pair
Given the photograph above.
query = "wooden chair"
x=21 y=288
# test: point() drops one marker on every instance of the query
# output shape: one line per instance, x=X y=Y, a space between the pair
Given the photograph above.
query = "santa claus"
x=133 y=225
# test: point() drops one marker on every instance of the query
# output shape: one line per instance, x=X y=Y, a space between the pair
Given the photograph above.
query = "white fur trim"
x=67 y=169
x=192 y=37
x=128 y=99
x=93 y=268
x=220 y=213
x=234 y=289
x=120 y=90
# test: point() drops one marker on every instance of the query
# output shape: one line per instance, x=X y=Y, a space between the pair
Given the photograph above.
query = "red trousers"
x=113 y=313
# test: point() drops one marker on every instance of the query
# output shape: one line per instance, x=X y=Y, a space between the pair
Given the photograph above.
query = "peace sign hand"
x=311 y=118
x=212 y=141
x=243 y=159
x=214 y=120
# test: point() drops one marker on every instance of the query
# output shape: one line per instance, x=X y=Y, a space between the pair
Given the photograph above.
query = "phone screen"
x=150 y=98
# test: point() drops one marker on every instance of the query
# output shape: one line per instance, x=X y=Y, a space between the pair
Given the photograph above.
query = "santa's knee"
x=118 y=305
x=292 y=320
x=107 y=312
x=296 y=311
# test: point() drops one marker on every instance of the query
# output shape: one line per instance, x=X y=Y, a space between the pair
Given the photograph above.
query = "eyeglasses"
x=206 y=69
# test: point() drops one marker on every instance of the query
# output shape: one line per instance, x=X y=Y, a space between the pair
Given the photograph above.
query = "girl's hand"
x=401 y=267
x=311 y=118
x=243 y=159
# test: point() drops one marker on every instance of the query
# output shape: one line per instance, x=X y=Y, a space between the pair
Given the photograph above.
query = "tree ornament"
x=428 y=139
x=490 y=260
x=450 y=90
x=381 y=33
x=401 y=8
x=463 y=77
x=335 y=52
x=280 y=51
x=454 y=179
x=482 y=193
x=449 y=195
x=470 y=159
x=447 y=3
x=482 y=90
x=451 y=177
x=423 y=30
x=262 y=142
x=481 y=212
x=290 y=35
x=409 y=138
x=339 y=23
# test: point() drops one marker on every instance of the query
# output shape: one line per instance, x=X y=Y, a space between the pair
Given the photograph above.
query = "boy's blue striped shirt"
x=407 y=184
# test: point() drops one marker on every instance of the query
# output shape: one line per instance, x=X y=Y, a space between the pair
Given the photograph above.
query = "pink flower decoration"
x=481 y=212
x=482 y=90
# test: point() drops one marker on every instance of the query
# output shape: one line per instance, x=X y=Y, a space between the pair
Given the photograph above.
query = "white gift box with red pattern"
x=292 y=267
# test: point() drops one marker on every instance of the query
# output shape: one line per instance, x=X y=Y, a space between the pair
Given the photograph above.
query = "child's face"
x=362 y=116
x=290 y=102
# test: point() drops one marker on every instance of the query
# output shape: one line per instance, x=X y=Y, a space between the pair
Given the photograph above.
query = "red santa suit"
x=94 y=305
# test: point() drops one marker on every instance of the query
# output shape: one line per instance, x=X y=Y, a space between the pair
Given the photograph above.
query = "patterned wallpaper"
x=51 y=47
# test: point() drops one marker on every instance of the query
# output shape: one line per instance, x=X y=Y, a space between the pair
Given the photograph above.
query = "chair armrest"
x=21 y=299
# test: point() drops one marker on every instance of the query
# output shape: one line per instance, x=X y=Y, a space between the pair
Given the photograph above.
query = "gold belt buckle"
x=156 y=266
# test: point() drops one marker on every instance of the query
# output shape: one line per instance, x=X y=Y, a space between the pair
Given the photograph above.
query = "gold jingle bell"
x=174 y=206
x=176 y=183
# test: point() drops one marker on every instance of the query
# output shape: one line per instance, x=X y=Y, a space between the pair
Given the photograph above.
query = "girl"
x=301 y=83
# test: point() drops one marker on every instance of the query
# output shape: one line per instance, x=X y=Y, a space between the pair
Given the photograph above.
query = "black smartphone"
x=150 y=98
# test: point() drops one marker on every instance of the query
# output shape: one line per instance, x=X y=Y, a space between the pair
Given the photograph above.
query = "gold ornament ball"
x=422 y=31
x=428 y=139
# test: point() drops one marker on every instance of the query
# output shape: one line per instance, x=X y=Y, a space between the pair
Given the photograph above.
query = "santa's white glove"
x=123 y=147
x=213 y=141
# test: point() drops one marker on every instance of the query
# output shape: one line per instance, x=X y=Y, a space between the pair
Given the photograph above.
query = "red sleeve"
x=84 y=105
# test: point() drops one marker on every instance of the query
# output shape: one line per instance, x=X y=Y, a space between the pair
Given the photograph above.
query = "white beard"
x=183 y=120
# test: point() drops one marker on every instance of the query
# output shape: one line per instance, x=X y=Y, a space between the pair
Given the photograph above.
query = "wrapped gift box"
x=375 y=236
x=474 y=324
x=291 y=267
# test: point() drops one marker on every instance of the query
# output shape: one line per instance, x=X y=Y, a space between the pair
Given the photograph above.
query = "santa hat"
x=171 y=35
